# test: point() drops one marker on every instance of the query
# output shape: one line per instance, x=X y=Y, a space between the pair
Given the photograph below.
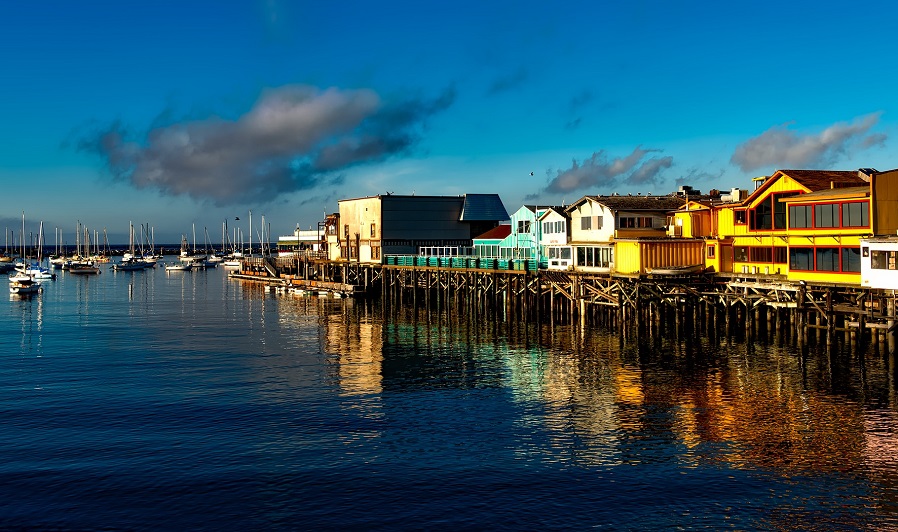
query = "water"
x=184 y=400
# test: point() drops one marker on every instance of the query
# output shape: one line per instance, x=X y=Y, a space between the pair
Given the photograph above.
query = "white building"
x=879 y=263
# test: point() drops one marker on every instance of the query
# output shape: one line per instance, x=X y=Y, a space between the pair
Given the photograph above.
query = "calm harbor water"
x=155 y=400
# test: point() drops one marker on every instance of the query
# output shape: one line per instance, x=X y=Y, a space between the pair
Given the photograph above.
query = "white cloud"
x=779 y=147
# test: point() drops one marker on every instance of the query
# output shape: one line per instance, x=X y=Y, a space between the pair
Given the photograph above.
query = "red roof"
x=496 y=233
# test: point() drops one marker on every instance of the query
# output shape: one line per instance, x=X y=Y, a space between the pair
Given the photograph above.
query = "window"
x=761 y=217
x=780 y=254
x=375 y=252
x=770 y=213
x=630 y=222
x=779 y=209
x=586 y=223
x=598 y=223
x=711 y=251
x=373 y=230
x=590 y=256
x=826 y=215
x=346 y=231
x=523 y=226
x=851 y=260
x=740 y=253
x=801 y=259
x=739 y=216
x=883 y=260
x=801 y=216
x=759 y=254
x=856 y=214
x=828 y=259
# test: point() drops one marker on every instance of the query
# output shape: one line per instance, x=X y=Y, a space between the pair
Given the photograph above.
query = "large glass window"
x=826 y=215
x=828 y=259
x=761 y=217
x=801 y=216
x=856 y=214
x=851 y=259
x=779 y=209
x=585 y=224
x=801 y=259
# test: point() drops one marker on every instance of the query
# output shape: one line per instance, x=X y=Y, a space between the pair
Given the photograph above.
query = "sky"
x=181 y=116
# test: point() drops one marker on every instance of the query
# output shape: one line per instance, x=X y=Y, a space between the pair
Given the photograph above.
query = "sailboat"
x=130 y=262
x=34 y=269
x=190 y=255
x=21 y=283
x=84 y=266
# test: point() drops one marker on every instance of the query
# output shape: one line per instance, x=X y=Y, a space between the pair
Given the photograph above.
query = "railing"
x=463 y=262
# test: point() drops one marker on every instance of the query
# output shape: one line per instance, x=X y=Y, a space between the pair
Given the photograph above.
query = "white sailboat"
x=130 y=262
x=21 y=283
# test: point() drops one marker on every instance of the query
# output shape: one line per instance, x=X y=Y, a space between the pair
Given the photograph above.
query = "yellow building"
x=698 y=219
x=807 y=224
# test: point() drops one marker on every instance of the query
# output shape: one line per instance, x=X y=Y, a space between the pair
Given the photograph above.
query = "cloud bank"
x=778 y=147
x=598 y=171
x=293 y=138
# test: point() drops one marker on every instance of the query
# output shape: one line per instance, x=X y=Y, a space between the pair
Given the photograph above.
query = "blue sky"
x=184 y=114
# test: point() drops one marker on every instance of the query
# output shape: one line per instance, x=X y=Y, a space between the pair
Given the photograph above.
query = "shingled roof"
x=640 y=203
x=822 y=179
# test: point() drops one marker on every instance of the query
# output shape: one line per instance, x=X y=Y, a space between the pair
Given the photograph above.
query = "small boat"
x=84 y=268
x=677 y=270
x=132 y=265
x=36 y=271
x=22 y=284
x=179 y=267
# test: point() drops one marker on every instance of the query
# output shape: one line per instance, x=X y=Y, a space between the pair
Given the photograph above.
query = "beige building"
x=374 y=226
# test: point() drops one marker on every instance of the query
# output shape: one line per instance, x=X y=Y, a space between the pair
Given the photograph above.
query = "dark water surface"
x=184 y=400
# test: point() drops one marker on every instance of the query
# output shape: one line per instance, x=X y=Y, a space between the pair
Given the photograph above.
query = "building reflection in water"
x=588 y=397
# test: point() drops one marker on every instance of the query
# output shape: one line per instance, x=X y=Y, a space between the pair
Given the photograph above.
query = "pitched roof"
x=496 y=233
x=640 y=203
x=483 y=208
x=815 y=180
x=561 y=211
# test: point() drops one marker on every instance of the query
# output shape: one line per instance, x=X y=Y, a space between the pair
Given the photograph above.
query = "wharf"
x=754 y=304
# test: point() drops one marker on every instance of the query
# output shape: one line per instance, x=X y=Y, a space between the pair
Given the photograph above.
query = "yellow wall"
x=694 y=224
x=638 y=256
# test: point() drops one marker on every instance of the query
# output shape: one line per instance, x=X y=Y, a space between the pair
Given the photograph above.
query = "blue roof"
x=483 y=208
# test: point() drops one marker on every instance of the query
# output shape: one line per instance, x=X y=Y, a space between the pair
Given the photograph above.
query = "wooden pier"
x=753 y=305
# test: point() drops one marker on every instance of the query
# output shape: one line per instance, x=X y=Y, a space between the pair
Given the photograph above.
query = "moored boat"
x=179 y=267
x=83 y=268
x=22 y=284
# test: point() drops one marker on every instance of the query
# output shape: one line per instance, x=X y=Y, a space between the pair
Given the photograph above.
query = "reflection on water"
x=590 y=399
x=192 y=400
